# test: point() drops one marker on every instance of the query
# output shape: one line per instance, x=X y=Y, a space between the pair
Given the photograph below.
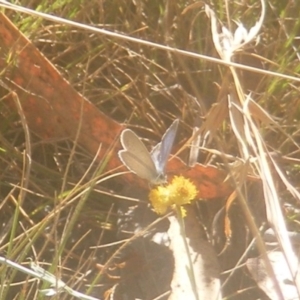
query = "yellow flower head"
x=180 y=191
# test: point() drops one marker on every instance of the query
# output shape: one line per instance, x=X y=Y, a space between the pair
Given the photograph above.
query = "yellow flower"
x=160 y=199
x=180 y=191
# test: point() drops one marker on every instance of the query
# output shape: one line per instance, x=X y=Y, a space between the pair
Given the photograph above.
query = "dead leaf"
x=203 y=257
x=55 y=110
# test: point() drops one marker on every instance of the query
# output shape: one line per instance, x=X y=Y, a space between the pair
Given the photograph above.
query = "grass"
x=59 y=210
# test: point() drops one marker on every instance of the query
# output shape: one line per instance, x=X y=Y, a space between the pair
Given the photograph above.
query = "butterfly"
x=147 y=165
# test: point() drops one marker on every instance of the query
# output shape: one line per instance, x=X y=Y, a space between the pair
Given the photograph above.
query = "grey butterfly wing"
x=161 y=151
x=136 y=157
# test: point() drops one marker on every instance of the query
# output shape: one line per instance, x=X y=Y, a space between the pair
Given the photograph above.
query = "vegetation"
x=89 y=231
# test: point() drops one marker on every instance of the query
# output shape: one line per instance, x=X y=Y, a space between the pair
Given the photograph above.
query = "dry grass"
x=57 y=214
